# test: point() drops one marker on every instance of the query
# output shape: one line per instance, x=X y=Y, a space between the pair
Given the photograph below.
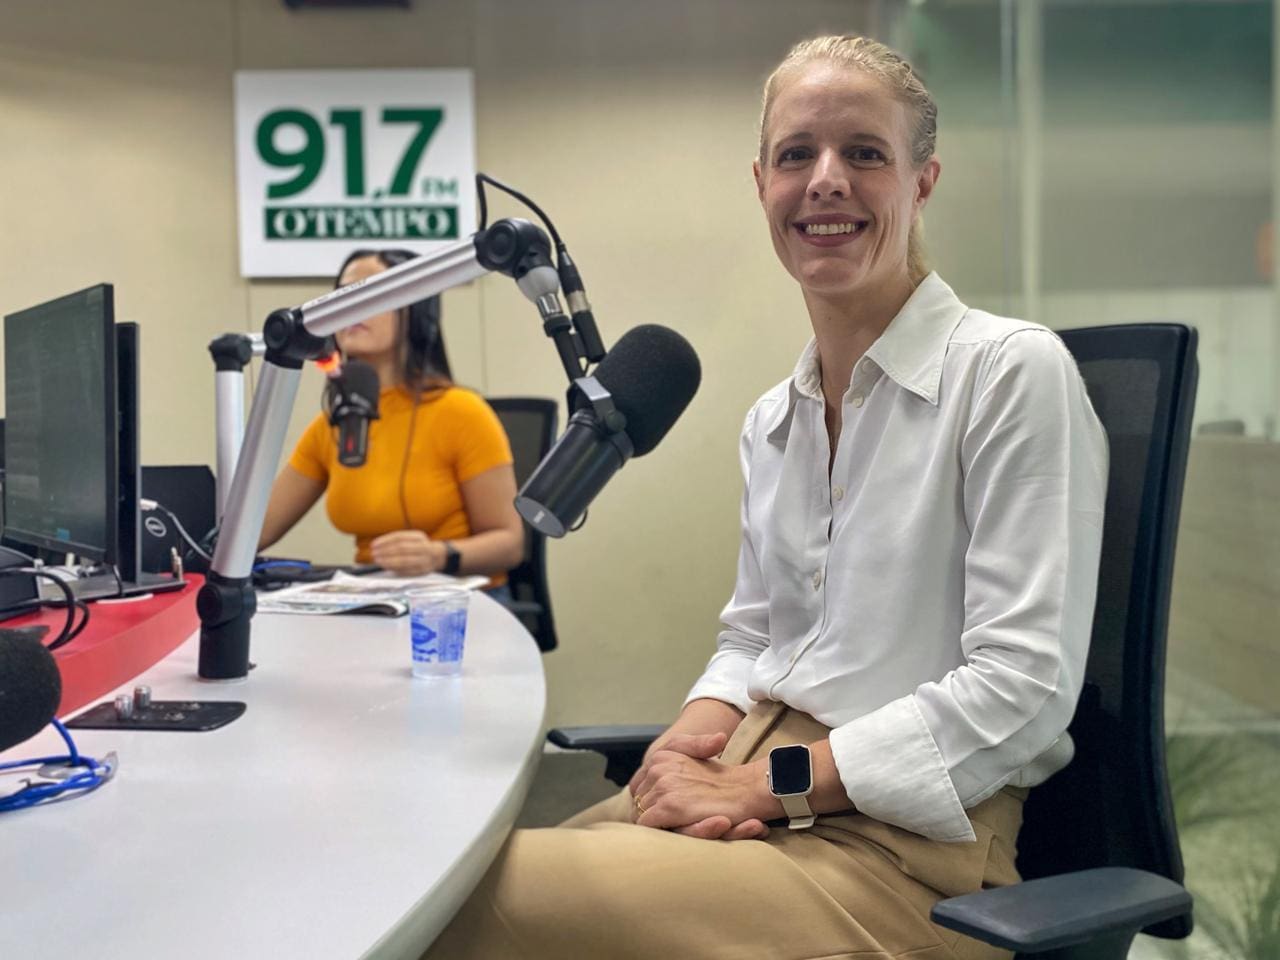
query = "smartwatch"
x=791 y=781
x=452 y=559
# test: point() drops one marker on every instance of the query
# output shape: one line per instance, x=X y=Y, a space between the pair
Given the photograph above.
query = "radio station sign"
x=331 y=160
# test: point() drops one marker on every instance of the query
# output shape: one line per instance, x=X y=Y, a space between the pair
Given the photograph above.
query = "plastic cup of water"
x=438 y=630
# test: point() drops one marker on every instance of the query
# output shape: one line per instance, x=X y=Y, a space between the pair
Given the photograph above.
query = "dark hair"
x=423 y=361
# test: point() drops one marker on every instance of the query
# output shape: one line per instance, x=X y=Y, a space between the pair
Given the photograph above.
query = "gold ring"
x=639 y=807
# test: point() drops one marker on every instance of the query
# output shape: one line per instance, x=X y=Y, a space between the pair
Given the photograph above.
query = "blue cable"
x=95 y=774
x=267 y=564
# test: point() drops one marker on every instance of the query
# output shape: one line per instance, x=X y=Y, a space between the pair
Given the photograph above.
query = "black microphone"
x=30 y=689
x=652 y=373
x=353 y=403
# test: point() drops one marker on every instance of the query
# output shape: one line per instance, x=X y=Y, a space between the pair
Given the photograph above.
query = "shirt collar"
x=911 y=351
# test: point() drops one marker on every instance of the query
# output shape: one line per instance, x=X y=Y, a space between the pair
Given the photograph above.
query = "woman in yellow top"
x=437 y=490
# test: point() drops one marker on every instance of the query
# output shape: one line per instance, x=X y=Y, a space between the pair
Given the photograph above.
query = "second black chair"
x=531 y=424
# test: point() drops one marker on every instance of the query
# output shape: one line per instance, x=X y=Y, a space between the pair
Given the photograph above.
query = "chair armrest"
x=1053 y=912
x=518 y=607
x=623 y=747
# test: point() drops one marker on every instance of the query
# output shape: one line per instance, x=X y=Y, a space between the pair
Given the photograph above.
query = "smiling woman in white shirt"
x=903 y=650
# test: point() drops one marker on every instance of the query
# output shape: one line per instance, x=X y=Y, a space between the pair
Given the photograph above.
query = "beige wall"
x=632 y=124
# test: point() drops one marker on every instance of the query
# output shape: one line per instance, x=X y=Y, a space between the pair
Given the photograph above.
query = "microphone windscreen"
x=30 y=688
x=652 y=373
x=360 y=379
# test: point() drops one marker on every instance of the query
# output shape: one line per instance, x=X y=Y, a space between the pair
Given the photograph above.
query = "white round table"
x=347 y=813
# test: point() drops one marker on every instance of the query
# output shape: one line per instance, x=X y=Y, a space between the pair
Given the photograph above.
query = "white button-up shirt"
x=930 y=599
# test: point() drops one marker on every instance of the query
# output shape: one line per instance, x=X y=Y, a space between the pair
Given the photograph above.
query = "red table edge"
x=121 y=641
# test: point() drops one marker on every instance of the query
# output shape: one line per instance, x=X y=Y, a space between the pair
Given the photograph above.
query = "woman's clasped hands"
x=683 y=787
x=407 y=553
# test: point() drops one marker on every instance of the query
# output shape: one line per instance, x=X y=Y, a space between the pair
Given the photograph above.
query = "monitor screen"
x=61 y=481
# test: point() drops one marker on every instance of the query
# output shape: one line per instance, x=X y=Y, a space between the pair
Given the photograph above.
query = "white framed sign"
x=330 y=160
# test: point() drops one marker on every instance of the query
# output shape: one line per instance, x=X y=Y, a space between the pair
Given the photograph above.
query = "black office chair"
x=1099 y=848
x=531 y=424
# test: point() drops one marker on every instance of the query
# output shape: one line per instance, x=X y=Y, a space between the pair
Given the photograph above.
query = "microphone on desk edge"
x=651 y=374
x=30 y=689
x=352 y=401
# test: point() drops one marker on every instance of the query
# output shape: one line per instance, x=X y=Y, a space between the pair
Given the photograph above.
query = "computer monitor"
x=62 y=481
x=128 y=456
x=72 y=438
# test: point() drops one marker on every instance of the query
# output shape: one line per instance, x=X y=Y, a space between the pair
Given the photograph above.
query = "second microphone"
x=352 y=401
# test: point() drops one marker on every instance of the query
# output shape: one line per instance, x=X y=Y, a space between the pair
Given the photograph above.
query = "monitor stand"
x=103 y=586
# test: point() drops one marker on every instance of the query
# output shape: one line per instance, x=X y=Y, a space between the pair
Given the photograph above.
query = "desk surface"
x=349 y=812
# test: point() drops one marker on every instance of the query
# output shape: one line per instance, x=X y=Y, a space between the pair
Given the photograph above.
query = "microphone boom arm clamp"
x=607 y=415
x=226 y=603
x=549 y=500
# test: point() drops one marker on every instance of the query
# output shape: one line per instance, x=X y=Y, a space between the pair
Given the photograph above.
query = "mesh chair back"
x=531 y=424
x=1111 y=806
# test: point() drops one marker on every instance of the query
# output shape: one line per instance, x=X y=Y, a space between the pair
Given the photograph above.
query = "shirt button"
x=817 y=579
x=837 y=493
x=857 y=399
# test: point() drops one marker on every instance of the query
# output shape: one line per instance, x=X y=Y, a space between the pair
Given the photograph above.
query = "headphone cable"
x=404 y=463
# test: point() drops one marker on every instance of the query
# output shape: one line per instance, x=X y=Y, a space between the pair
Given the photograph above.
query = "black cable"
x=404 y=464
x=84 y=621
x=69 y=629
x=485 y=178
x=209 y=542
x=480 y=199
x=115 y=572
x=182 y=531
x=60 y=640
x=587 y=344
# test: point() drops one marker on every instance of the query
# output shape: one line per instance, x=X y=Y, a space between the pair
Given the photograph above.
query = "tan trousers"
x=599 y=886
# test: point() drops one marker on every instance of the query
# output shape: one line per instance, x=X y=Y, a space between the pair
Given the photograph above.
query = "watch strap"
x=799 y=814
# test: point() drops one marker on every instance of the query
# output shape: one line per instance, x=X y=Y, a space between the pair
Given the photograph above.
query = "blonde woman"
x=902 y=653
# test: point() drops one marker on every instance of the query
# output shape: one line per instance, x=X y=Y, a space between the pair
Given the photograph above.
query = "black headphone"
x=423 y=328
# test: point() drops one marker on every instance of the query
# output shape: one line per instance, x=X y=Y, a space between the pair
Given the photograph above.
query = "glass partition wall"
x=1115 y=163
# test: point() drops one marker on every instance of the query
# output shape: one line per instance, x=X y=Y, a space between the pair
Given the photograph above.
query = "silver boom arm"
x=229 y=404
x=273 y=399
x=226 y=602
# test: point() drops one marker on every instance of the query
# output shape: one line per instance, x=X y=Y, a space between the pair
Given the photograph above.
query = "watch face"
x=789 y=770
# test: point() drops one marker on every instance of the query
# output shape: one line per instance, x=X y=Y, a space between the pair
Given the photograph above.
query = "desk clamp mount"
x=140 y=712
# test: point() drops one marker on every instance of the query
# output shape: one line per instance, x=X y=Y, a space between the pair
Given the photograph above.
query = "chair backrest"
x=1111 y=806
x=191 y=494
x=531 y=424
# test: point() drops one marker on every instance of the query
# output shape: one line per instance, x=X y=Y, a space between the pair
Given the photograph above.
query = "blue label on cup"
x=437 y=635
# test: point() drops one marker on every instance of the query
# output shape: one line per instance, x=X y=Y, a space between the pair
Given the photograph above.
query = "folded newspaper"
x=380 y=596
